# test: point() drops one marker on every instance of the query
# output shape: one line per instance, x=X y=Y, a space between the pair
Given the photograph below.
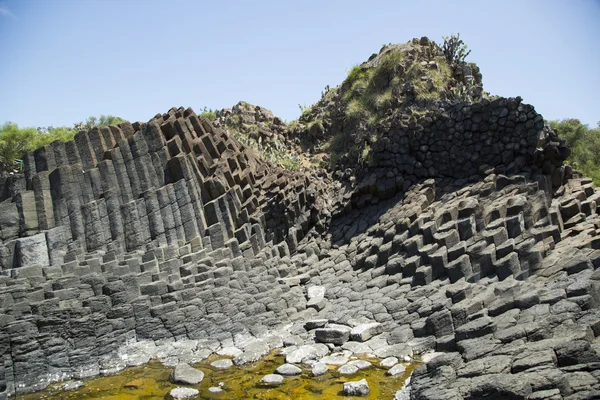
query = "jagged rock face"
x=254 y=122
x=172 y=181
x=124 y=215
x=464 y=234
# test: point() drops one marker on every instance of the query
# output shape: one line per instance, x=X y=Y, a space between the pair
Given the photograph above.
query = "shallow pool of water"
x=151 y=382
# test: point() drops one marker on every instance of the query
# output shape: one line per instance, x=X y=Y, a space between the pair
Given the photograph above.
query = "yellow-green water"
x=151 y=382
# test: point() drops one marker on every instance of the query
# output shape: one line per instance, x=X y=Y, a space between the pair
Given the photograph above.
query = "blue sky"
x=64 y=60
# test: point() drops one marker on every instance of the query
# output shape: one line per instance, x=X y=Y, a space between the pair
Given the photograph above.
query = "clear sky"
x=64 y=60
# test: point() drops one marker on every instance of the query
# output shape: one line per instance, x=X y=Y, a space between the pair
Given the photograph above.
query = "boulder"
x=222 y=364
x=364 y=332
x=388 y=362
x=358 y=388
x=347 y=369
x=397 y=369
x=183 y=393
x=306 y=352
x=183 y=373
x=272 y=380
x=288 y=370
x=336 y=334
x=32 y=251
x=319 y=369
x=334 y=360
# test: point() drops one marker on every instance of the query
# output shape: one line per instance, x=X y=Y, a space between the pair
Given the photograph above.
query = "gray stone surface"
x=319 y=369
x=222 y=364
x=364 y=332
x=183 y=373
x=332 y=333
x=272 y=380
x=358 y=388
x=288 y=370
x=464 y=234
x=183 y=393
x=397 y=369
x=32 y=251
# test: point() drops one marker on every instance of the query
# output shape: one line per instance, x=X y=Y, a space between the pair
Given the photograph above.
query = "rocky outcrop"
x=462 y=233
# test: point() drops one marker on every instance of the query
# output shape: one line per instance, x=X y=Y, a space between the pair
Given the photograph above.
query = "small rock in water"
x=183 y=393
x=358 y=388
x=306 y=352
x=360 y=364
x=183 y=373
x=319 y=369
x=71 y=385
x=272 y=380
x=135 y=384
x=222 y=364
x=288 y=370
x=229 y=351
x=347 y=369
x=397 y=369
x=215 y=389
x=334 y=360
x=389 y=362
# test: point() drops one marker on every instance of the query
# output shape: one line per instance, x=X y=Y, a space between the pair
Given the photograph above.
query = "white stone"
x=334 y=360
x=71 y=385
x=347 y=369
x=388 y=363
x=364 y=332
x=306 y=352
x=288 y=370
x=183 y=393
x=183 y=373
x=222 y=364
x=229 y=351
x=358 y=388
x=315 y=292
x=360 y=364
x=319 y=369
x=272 y=380
x=397 y=369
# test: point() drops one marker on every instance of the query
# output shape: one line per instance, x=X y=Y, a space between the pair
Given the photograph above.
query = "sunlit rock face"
x=459 y=230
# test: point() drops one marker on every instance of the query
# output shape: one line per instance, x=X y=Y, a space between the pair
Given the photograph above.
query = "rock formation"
x=459 y=229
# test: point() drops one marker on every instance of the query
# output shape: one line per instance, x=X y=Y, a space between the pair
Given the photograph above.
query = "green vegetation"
x=15 y=141
x=369 y=91
x=209 y=113
x=429 y=81
x=92 y=122
x=354 y=73
x=274 y=152
x=584 y=143
x=304 y=110
x=454 y=49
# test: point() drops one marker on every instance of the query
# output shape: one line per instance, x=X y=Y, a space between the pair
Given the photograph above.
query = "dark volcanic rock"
x=460 y=230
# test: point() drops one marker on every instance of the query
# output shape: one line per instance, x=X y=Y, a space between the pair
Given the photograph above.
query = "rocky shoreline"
x=342 y=350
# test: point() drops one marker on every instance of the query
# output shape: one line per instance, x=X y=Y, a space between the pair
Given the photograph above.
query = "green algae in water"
x=151 y=382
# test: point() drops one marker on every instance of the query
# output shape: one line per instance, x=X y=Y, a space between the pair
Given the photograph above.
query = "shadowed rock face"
x=465 y=235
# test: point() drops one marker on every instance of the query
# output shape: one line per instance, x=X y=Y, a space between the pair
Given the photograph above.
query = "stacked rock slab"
x=171 y=230
x=136 y=231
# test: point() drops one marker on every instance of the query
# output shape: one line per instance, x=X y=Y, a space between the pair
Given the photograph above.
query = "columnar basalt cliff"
x=448 y=225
